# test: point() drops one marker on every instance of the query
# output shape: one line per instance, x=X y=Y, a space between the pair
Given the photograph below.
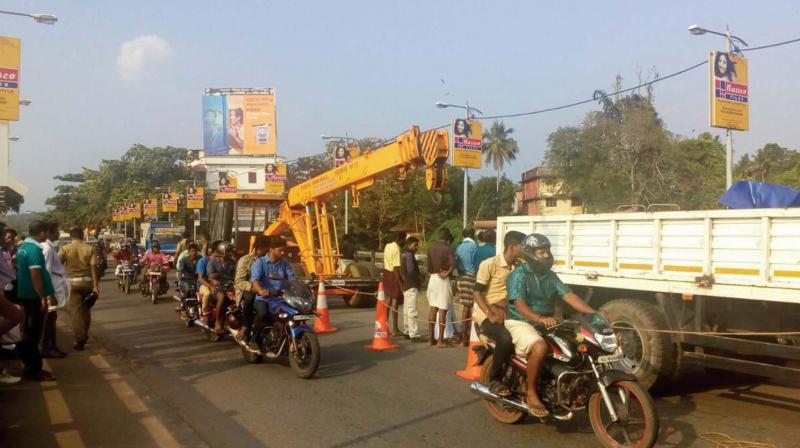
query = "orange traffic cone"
x=381 y=342
x=471 y=372
x=322 y=324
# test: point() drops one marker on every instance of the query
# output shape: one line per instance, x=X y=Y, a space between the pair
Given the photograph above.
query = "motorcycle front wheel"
x=498 y=411
x=305 y=360
x=127 y=287
x=637 y=423
x=153 y=293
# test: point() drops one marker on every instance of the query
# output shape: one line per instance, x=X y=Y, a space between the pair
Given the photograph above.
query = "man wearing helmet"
x=123 y=255
x=221 y=271
x=154 y=257
x=532 y=291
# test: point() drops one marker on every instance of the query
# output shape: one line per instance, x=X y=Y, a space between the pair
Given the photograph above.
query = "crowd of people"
x=38 y=277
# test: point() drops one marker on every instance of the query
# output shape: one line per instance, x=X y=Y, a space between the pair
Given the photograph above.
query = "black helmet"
x=533 y=242
x=224 y=248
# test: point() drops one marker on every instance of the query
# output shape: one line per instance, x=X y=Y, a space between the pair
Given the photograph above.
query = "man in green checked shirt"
x=532 y=292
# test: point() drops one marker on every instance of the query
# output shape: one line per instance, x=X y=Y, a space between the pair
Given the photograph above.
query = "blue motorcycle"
x=289 y=330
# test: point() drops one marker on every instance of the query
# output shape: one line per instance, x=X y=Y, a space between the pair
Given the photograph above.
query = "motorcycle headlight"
x=300 y=303
x=608 y=342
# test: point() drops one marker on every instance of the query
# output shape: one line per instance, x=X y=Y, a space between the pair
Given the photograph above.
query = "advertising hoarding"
x=9 y=78
x=275 y=178
x=169 y=202
x=150 y=207
x=239 y=122
x=228 y=184
x=729 y=91
x=467 y=143
x=194 y=197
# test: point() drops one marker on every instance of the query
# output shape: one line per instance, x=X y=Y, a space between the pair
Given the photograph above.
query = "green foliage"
x=625 y=155
x=498 y=145
x=88 y=197
x=489 y=199
x=772 y=164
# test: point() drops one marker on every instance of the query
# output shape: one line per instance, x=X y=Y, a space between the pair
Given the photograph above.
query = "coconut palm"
x=499 y=147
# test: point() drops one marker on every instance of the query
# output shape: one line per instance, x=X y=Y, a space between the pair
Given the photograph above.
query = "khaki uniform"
x=79 y=260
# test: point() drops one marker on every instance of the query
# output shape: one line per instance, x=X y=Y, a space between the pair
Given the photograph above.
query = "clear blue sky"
x=372 y=68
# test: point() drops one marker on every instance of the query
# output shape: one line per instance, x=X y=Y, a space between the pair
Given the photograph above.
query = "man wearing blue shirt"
x=268 y=288
x=465 y=257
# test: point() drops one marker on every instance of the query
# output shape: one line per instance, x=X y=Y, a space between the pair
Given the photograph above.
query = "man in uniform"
x=80 y=262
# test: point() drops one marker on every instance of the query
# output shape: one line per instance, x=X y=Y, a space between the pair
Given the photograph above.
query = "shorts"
x=523 y=335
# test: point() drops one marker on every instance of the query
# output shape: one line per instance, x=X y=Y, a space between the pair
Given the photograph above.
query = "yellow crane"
x=305 y=212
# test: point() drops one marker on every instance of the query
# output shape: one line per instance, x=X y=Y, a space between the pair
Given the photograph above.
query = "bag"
x=89 y=300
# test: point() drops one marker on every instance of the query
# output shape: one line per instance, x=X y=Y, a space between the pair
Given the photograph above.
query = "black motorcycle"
x=577 y=374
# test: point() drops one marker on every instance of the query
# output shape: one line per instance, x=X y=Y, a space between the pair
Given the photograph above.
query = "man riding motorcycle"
x=154 y=257
x=221 y=271
x=265 y=286
x=122 y=255
x=187 y=269
x=532 y=292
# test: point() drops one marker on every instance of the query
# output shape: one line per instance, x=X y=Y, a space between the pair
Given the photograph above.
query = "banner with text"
x=228 y=184
x=729 y=91
x=9 y=78
x=194 y=197
x=467 y=143
x=150 y=207
x=169 y=202
x=275 y=178
x=239 y=122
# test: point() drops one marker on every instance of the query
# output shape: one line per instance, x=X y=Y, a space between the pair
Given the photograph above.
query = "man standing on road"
x=61 y=287
x=34 y=288
x=441 y=263
x=410 y=278
x=465 y=255
x=490 y=296
x=245 y=293
x=488 y=249
x=80 y=261
x=348 y=250
x=391 y=278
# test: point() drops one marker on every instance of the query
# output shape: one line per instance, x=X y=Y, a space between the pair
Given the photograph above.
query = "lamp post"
x=730 y=45
x=469 y=115
x=47 y=19
x=346 y=139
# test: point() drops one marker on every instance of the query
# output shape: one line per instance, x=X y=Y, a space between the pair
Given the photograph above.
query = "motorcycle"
x=577 y=374
x=152 y=285
x=189 y=303
x=194 y=312
x=127 y=272
x=288 y=331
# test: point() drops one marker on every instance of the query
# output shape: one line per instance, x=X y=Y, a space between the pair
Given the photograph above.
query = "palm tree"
x=499 y=147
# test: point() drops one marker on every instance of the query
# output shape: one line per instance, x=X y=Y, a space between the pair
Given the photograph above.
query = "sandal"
x=499 y=389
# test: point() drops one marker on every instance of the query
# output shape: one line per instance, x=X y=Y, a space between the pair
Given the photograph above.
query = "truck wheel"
x=651 y=357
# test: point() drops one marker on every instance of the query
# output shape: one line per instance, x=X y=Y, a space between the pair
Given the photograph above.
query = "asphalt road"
x=407 y=397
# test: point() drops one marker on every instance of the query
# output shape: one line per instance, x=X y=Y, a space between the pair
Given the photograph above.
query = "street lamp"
x=47 y=19
x=24 y=102
x=470 y=115
x=698 y=30
x=346 y=139
x=13 y=139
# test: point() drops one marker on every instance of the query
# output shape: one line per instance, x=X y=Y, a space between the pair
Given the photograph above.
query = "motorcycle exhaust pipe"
x=482 y=390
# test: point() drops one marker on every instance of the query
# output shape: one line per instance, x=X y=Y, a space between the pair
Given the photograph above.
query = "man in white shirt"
x=61 y=286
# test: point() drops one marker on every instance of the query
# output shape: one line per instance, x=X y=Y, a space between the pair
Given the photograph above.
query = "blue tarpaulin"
x=751 y=194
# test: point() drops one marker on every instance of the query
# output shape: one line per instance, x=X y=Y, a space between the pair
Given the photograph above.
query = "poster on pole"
x=239 y=122
x=729 y=91
x=467 y=143
x=228 y=184
x=9 y=78
x=169 y=202
x=275 y=178
x=194 y=197
x=150 y=207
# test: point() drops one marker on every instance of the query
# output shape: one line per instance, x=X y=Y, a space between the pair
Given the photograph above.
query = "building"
x=541 y=195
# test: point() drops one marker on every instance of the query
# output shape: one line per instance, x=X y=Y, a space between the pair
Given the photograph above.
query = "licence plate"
x=337 y=282
x=610 y=358
x=303 y=316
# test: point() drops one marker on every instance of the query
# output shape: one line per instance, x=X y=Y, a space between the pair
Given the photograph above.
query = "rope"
x=616 y=327
x=721 y=440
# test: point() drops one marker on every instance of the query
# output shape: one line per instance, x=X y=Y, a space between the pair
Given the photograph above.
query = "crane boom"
x=409 y=150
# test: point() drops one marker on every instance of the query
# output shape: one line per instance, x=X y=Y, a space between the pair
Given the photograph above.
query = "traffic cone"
x=471 y=372
x=322 y=324
x=381 y=342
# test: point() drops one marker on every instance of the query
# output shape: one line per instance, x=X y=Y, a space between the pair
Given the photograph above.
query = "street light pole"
x=47 y=19
x=466 y=184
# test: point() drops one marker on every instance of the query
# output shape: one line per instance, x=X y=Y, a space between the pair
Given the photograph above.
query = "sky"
x=112 y=74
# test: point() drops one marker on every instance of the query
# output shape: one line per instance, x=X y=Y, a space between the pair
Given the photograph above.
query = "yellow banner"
x=194 y=197
x=228 y=184
x=467 y=143
x=275 y=178
x=729 y=91
x=9 y=78
x=169 y=202
x=150 y=207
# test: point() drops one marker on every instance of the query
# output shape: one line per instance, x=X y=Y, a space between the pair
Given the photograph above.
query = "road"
x=198 y=393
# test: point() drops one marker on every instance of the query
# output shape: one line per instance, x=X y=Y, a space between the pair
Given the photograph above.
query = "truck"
x=167 y=234
x=718 y=288
x=305 y=219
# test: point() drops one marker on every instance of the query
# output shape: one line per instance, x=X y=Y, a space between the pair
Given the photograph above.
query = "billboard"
x=9 y=78
x=343 y=154
x=239 y=122
x=729 y=91
x=274 y=178
x=194 y=197
x=150 y=207
x=169 y=202
x=228 y=184
x=467 y=143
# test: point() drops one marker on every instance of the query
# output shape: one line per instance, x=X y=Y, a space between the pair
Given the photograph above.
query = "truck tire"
x=361 y=270
x=651 y=357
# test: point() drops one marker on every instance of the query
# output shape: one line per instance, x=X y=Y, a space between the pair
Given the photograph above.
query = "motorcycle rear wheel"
x=638 y=422
x=498 y=411
x=305 y=360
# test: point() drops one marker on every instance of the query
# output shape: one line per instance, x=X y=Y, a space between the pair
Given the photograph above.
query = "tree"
x=772 y=163
x=499 y=147
x=490 y=198
x=698 y=172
